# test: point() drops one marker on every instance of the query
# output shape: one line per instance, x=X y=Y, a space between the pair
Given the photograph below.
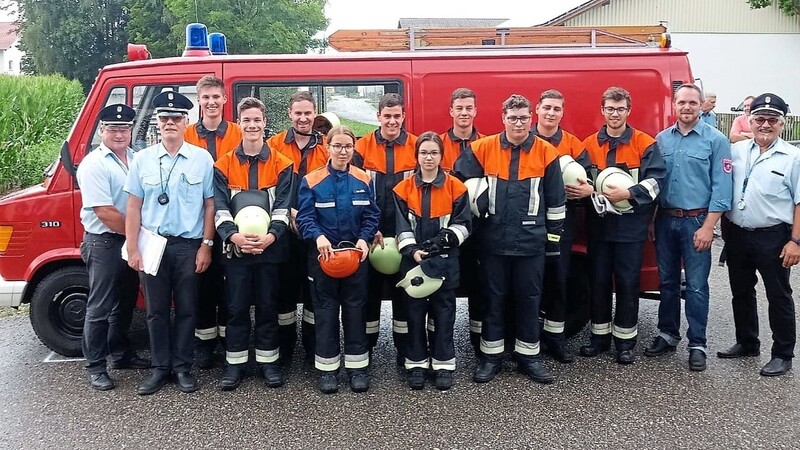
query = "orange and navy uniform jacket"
x=526 y=194
x=269 y=172
x=337 y=204
x=568 y=144
x=637 y=153
x=387 y=163
x=225 y=138
x=424 y=210
x=309 y=158
x=454 y=145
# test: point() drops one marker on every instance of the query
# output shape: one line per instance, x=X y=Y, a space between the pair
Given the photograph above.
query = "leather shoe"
x=444 y=380
x=186 y=382
x=626 y=357
x=697 y=360
x=776 y=367
x=486 y=371
x=132 y=363
x=328 y=383
x=659 y=347
x=231 y=377
x=593 y=349
x=153 y=384
x=204 y=357
x=738 y=351
x=536 y=372
x=359 y=380
x=560 y=353
x=416 y=378
x=273 y=375
x=101 y=381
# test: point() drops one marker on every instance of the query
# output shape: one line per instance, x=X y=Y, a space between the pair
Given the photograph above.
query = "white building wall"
x=10 y=60
x=691 y=16
x=736 y=65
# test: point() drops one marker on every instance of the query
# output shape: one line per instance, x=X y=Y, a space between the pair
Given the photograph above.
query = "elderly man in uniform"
x=696 y=191
x=113 y=286
x=707 y=114
x=172 y=194
x=764 y=234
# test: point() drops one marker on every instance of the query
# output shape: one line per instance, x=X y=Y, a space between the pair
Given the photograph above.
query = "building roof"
x=576 y=11
x=432 y=22
x=8 y=35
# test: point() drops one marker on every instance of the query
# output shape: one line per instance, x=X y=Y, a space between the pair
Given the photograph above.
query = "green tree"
x=251 y=26
x=789 y=7
x=71 y=37
x=75 y=38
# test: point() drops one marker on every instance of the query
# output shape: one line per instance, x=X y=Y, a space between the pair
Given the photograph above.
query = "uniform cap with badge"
x=171 y=104
x=117 y=116
x=769 y=104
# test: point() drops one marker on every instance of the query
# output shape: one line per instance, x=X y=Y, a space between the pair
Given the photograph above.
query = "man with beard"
x=696 y=191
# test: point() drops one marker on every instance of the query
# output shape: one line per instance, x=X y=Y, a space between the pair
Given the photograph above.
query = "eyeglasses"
x=610 y=110
x=518 y=119
x=173 y=119
x=340 y=147
x=761 y=120
x=426 y=155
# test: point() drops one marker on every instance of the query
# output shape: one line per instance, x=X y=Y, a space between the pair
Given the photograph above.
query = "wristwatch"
x=795 y=240
x=208 y=242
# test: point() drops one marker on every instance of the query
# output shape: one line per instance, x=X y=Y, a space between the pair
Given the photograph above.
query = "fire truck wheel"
x=58 y=307
x=578 y=290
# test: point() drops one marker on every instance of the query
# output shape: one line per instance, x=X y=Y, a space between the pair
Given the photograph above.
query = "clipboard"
x=151 y=247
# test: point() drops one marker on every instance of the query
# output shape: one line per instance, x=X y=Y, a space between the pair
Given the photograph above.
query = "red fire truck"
x=40 y=230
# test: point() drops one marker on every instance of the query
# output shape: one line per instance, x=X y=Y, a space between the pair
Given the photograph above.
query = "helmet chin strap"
x=304 y=134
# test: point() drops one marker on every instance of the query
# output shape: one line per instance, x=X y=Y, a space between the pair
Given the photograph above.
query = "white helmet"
x=571 y=170
x=478 y=192
x=419 y=285
x=252 y=219
x=615 y=176
x=386 y=260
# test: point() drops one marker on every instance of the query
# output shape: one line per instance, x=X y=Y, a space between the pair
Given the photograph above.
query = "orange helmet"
x=342 y=263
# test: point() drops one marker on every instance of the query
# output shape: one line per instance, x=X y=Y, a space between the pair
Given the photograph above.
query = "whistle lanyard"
x=164 y=186
x=749 y=170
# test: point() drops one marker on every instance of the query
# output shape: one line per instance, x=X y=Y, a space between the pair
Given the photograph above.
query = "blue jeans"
x=675 y=244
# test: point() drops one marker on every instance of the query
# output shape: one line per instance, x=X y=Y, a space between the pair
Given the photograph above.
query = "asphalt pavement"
x=656 y=403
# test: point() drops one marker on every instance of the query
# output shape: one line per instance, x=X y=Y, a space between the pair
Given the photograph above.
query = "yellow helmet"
x=252 y=219
x=386 y=260
x=419 y=285
x=615 y=176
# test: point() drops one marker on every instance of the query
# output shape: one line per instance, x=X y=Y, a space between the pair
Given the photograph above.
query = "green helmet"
x=419 y=285
x=386 y=260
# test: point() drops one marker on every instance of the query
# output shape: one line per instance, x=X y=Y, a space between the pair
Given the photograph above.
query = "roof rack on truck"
x=520 y=37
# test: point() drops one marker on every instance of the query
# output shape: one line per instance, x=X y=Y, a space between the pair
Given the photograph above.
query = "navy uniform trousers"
x=171 y=342
x=759 y=250
x=113 y=289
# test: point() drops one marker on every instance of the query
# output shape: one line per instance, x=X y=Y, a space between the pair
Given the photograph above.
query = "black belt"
x=178 y=240
x=778 y=227
x=107 y=234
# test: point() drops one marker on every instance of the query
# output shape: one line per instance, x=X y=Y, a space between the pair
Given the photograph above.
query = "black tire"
x=578 y=291
x=58 y=308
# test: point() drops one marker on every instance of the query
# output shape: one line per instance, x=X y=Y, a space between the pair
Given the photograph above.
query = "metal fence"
x=791 y=131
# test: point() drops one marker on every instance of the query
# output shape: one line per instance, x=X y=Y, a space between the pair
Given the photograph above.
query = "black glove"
x=447 y=239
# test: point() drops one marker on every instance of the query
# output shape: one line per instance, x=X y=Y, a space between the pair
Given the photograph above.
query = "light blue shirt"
x=698 y=168
x=773 y=187
x=709 y=118
x=187 y=179
x=101 y=177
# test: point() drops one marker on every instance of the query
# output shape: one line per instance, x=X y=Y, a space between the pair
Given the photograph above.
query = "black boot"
x=231 y=377
x=487 y=370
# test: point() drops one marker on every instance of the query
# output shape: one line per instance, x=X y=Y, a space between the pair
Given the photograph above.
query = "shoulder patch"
x=316 y=176
x=727 y=165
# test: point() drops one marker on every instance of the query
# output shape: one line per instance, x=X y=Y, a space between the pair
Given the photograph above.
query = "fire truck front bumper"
x=11 y=292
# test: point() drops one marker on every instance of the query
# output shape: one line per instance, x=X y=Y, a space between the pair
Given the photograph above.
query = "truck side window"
x=117 y=95
x=145 y=130
x=355 y=102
